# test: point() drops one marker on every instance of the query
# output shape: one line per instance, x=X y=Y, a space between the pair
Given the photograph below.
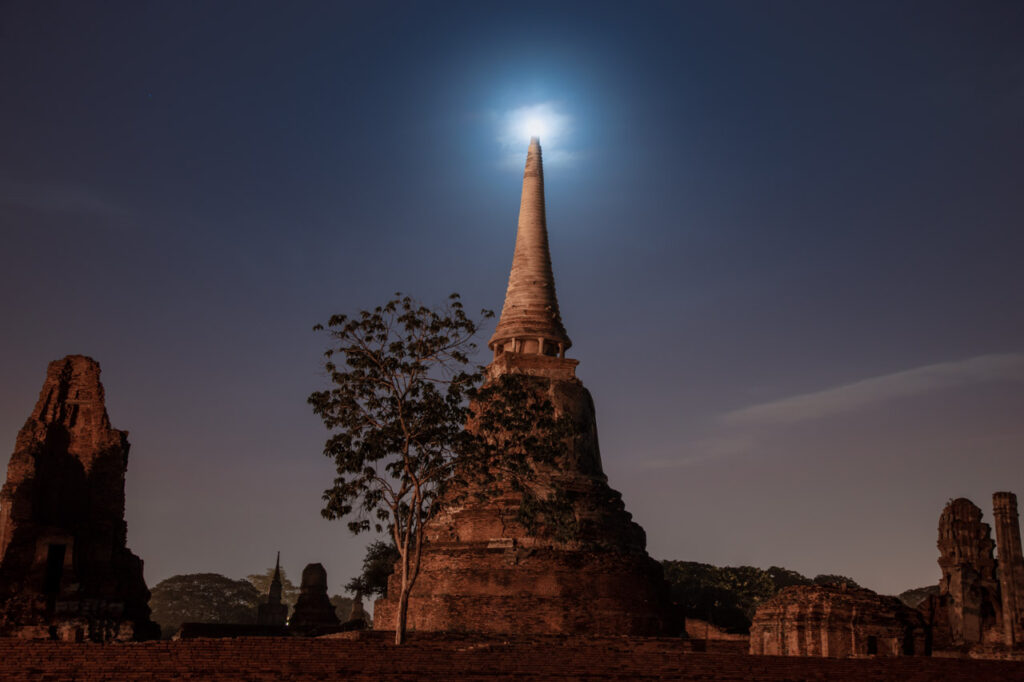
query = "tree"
x=728 y=596
x=783 y=577
x=342 y=606
x=378 y=565
x=402 y=393
x=202 y=598
x=261 y=581
x=830 y=579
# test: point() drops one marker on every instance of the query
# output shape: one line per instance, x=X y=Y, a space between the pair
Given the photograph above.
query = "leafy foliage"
x=831 y=579
x=783 y=577
x=342 y=606
x=397 y=408
x=513 y=433
x=202 y=598
x=378 y=565
x=261 y=581
x=402 y=393
x=728 y=596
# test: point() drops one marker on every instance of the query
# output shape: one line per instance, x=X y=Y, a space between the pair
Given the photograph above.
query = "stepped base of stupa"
x=482 y=571
x=514 y=591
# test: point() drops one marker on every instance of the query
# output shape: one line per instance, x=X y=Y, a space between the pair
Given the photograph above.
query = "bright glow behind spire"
x=541 y=120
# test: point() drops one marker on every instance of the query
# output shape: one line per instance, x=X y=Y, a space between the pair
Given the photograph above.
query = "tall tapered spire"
x=275 y=583
x=530 y=322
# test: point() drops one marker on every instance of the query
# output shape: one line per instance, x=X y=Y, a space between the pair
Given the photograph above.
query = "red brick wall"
x=372 y=658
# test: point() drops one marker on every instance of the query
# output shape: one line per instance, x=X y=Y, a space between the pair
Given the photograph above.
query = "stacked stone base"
x=515 y=591
x=483 y=571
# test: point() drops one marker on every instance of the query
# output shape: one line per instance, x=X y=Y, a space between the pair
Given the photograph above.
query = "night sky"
x=787 y=239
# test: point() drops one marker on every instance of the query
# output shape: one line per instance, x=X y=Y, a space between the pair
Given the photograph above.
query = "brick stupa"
x=482 y=571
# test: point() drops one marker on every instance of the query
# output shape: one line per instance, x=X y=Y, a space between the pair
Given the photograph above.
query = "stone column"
x=1011 y=564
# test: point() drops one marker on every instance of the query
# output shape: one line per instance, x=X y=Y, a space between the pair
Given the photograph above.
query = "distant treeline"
x=214 y=598
x=728 y=596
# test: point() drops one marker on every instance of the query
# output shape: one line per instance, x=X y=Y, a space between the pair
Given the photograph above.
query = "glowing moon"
x=541 y=120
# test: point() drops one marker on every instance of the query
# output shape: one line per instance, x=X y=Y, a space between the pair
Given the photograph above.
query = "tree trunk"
x=403 y=599
x=403 y=608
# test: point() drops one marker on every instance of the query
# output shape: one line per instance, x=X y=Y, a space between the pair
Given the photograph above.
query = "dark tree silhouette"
x=202 y=598
x=378 y=565
x=261 y=581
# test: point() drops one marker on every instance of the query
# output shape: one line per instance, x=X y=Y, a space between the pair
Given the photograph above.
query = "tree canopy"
x=397 y=405
x=202 y=598
x=728 y=596
x=378 y=565
x=402 y=391
x=261 y=581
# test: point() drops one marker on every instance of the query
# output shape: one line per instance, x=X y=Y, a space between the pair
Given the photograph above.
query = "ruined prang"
x=968 y=604
x=482 y=570
x=978 y=607
x=65 y=572
x=313 y=609
x=273 y=611
x=836 y=621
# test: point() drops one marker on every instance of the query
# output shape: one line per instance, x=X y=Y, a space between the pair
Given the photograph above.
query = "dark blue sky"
x=787 y=240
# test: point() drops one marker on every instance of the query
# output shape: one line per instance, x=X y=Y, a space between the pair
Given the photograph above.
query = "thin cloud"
x=58 y=198
x=849 y=397
x=747 y=430
x=704 y=450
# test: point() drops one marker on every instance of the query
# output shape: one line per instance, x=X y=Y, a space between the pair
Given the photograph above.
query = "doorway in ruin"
x=908 y=642
x=872 y=645
x=54 y=571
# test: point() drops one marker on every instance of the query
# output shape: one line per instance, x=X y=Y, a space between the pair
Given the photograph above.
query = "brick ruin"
x=370 y=657
x=836 y=621
x=978 y=611
x=482 y=571
x=978 y=607
x=65 y=572
x=273 y=611
x=313 y=609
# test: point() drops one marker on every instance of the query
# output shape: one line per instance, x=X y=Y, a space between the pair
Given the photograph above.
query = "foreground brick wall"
x=260 y=658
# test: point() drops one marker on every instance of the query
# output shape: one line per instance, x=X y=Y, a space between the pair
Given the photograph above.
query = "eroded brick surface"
x=64 y=568
x=978 y=609
x=836 y=621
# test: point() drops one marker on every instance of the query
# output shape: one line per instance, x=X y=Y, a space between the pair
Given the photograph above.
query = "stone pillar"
x=1011 y=565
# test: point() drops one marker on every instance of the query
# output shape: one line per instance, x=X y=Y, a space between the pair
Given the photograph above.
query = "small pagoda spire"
x=275 y=583
x=273 y=612
x=530 y=322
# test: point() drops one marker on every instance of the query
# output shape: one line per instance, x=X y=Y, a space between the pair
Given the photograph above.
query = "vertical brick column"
x=1011 y=564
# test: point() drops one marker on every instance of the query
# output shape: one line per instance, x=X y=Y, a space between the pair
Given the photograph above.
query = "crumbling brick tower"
x=1011 y=566
x=481 y=570
x=967 y=611
x=65 y=571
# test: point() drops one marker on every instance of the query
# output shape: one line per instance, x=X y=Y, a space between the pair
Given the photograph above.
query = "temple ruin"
x=481 y=570
x=313 y=609
x=273 y=611
x=65 y=572
x=978 y=607
x=836 y=621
